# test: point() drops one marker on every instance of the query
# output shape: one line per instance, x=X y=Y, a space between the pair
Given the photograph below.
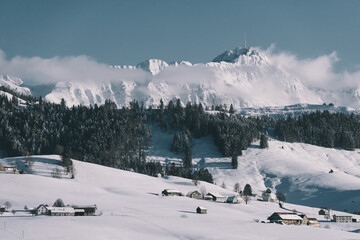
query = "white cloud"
x=73 y=68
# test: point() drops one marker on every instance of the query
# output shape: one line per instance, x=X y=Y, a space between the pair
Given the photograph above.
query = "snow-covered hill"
x=132 y=208
x=299 y=170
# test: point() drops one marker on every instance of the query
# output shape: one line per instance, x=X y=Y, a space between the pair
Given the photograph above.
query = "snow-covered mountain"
x=14 y=83
x=244 y=77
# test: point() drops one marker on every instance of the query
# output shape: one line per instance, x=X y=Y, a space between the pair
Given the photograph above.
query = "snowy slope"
x=14 y=83
x=131 y=209
x=299 y=170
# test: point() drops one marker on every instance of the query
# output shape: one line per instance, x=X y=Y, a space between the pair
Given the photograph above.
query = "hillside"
x=131 y=208
x=299 y=170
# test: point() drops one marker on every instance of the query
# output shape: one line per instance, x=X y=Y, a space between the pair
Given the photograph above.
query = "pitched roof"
x=172 y=191
x=61 y=209
x=217 y=195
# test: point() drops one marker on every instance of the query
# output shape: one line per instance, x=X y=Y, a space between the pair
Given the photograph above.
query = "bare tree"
x=237 y=187
x=223 y=185
x=247 y=198
x=195 y=182
x=7 y=205
x=56 y=173
x=203 y=191
x=29 y=163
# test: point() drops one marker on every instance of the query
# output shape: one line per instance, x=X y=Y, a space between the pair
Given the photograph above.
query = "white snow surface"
x=131 y=208
x=14 y=83
x=299 y=170
x=244 y=77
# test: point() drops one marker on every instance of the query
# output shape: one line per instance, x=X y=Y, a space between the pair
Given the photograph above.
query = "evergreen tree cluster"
x=322 y=129
x=102 y=135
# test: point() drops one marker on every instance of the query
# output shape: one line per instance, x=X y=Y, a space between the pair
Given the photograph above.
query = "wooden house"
x=60 y=211
x=285 y=218
x=171 y=192
x=2 y=208
x=88 y=210
x=313 y=222
x=41 y=209
x=305 y=219
x=217 y=197
x=195 y=194
x=234 y=199
x=323 y=211
x=201 y=210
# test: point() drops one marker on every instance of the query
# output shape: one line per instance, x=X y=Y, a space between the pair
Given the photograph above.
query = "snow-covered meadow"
x=130 y=206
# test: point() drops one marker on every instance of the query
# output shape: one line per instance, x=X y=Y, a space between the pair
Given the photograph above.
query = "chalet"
x=2 y=208
x=41 y=210
x=285 y=218
x=60 y=211
x=195 y=194
x=208 y=197
x=313 y=222
x=9 y=169
x=171 y=192
x=88 y=210
x=234 y=199
x=201 y=210
x=342 y=218
x=305 y=219
x=268 y=198
x=217 y=197
x=79 y=212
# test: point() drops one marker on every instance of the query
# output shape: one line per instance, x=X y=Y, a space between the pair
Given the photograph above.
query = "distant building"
x=195 y=194
x=324 y=211
x=8 y=169
x=234 y=199
x=342 y=218
x=2 y=208
x=201 y=210
x=60 y=211
x=313 y=222
x=171 y=192
x=41 y=210
x=305 y=219
x=89 y=210
x=217 y=197
x=285 y=218
x=268 y=197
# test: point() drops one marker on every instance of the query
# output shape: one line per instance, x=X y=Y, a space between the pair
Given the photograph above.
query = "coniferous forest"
x=120 y=137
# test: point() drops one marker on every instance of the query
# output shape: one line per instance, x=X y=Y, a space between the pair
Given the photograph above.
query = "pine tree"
x=234 y=161
x=264 y=141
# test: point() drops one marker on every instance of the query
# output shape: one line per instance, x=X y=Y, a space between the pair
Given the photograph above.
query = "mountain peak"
x=154 y=66
x=242 y=56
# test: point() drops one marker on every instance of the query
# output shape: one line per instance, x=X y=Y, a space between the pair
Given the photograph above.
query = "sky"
x=128 y=32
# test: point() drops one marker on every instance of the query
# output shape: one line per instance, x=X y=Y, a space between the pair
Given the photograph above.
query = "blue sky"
x=128 y=32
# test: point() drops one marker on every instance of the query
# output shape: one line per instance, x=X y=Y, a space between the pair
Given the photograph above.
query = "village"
x=292 y=217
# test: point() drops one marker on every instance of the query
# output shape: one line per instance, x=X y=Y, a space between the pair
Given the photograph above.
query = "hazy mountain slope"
x=242 y=77
x=131 y=209
x=14 y=83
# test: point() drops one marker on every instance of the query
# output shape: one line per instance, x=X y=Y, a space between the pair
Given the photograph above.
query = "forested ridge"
x=120 y=137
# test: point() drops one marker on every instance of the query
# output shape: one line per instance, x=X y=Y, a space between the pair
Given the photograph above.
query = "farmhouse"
x=61 y=211
x=217 y=197
x=313 y=222
x=195 y=194
x=342 y=218
x=323 y=211
x=305 y=219
x=234 y=199
x=268 y=198
x=8 y=169
x=2 y=208
x=171 y=192
x=201 y=210
x=285 y=217
x=88 y=210
x=41 y=209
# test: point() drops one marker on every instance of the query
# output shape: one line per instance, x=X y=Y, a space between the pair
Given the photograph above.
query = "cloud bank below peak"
x=263 y=78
